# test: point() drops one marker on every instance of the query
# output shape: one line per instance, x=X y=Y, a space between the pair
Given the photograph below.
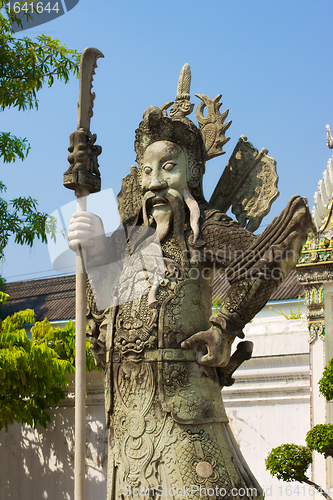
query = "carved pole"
x=83 y=177
x=80 y=365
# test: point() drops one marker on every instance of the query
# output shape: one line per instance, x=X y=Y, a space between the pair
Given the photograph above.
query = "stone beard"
x=171 y=209
x=165 y=186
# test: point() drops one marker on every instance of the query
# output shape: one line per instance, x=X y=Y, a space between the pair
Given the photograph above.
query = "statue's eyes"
x=147 y=170
x=169 y=166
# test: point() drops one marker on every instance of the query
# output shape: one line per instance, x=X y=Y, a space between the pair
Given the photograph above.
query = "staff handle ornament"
x=84 y=178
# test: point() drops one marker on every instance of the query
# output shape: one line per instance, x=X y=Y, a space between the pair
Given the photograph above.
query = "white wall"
x=269 y=404
x=39 y=465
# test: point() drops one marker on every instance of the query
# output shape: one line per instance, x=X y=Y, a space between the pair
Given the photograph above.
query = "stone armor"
x=168 y=426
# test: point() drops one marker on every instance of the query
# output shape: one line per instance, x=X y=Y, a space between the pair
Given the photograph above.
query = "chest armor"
x=182 y=308
x=151 y=338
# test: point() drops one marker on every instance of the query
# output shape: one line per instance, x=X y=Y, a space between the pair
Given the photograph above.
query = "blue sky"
x=271 y=61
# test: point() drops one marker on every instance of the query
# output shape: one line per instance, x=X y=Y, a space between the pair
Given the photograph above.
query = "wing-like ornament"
x=212 y=126
x=248 y=185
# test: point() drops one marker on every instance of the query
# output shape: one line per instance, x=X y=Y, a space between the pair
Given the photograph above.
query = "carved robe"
x=169 y=434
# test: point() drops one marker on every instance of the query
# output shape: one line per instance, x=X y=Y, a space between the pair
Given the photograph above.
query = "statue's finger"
x=82 y=216
x=79 y=235
x=194 y=340
x=80 y=226
x=206 y=359
x=74 y=244
x=210 y=359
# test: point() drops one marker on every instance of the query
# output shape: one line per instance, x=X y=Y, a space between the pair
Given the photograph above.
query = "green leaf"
x=3 y=297
x=326 y=382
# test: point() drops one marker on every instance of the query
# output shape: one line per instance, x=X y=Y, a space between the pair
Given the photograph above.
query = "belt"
x=161 y=355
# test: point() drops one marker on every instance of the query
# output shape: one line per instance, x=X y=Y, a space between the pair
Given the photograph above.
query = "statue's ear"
x=130 y=196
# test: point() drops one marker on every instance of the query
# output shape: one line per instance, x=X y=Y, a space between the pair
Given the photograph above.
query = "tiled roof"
x=289 y=289
x=54 y=298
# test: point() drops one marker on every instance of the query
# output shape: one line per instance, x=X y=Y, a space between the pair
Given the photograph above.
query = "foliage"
x=34 y=372
x=32 y=376
x=26 y=66
x=289 y=462
x=326 y=382
x=320 y=439
x=61 y=340
x=21 y=218
x=216 y=303
x=292 y=315
x=12 y=147
x=3 y=297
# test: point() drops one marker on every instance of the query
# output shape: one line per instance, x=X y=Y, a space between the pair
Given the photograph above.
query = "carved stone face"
x=164 y=171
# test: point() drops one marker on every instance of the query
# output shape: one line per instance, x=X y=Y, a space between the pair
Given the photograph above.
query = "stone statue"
x=165 y=356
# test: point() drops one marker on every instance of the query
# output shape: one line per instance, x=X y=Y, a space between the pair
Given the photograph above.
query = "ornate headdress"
x=200 y=144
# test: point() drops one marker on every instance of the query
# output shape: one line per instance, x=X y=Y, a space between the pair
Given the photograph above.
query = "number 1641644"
x=31 y=7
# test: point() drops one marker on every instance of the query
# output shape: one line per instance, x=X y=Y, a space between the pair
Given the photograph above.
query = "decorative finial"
x=182 y=106
x=329 y=137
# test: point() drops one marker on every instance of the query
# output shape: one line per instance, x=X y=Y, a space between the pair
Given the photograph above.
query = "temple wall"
x=269 y=403
x=40 y=465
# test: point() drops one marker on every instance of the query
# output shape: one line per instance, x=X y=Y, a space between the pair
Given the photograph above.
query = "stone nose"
x=157 y=185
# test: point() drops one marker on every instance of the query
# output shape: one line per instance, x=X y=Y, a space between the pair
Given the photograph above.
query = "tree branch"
x=318 y=488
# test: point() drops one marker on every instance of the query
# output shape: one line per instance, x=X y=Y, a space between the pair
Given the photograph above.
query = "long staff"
x=83 y=177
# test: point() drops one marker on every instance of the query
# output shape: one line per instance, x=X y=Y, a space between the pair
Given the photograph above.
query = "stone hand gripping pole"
x=83 y=177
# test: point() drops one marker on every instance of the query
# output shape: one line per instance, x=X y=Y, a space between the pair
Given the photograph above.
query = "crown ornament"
x=182 y=105
x=212 y=127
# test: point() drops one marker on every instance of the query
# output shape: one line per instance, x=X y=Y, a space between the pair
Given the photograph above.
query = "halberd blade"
x=86 y=97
